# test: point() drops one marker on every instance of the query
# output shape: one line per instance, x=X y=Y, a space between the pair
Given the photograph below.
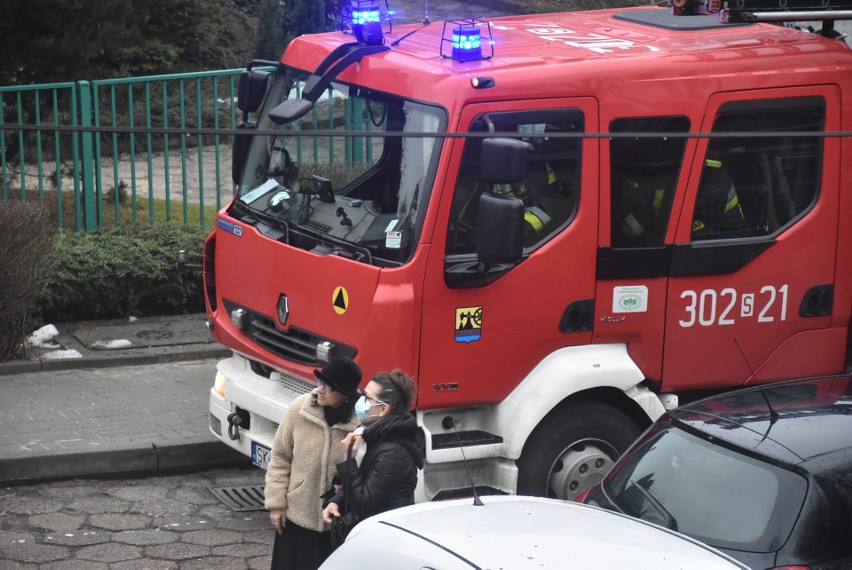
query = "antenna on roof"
x=426 y=20
x=446 y=423
x=773 y=415
x=745 y=359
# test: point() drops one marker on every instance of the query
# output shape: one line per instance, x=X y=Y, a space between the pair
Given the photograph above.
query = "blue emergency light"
x=366 y=23
x=366 y=15
x=465 y=39
x=467 y=44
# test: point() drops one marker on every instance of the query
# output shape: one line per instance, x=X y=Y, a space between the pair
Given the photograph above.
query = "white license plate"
x=260 y=455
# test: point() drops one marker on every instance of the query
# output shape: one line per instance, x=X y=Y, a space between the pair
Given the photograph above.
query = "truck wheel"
x=573 y=449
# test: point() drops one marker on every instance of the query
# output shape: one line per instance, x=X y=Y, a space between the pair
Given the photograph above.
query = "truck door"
x=635 y=233
x=751 y=277
x=482 y=332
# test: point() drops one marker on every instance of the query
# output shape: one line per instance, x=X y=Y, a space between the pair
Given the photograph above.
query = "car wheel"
x=573 y=449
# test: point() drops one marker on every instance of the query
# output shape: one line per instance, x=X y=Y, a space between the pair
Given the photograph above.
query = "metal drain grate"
x=241 y=498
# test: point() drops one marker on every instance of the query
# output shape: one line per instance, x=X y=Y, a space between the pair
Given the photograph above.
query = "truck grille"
x=294 y=344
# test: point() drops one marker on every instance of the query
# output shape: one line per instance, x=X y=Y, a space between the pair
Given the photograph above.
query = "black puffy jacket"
x=388 y=473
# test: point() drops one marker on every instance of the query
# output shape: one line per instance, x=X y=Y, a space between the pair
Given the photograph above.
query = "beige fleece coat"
x=304 y=454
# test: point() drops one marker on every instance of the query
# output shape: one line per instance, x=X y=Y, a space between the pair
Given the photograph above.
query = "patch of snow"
x=57 y=354
x=44 y=337
x=110 y=344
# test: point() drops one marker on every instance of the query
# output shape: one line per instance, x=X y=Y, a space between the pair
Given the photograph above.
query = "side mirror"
x=500 y=234
x=290 y=110
x=252 y=89
x=239 y=151
x=503 y=160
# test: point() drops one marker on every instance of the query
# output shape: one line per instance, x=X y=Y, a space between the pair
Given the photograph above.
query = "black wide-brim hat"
x=342 y=374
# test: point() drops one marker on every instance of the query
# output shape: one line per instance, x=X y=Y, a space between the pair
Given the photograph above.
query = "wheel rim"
x=580 y=466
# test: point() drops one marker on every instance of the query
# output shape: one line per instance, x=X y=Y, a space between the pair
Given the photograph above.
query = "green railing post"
x=91 y=105
x=5 y=193
x=89 y=213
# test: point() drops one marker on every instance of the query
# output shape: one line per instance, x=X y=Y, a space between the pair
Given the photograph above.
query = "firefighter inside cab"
x=541 y=180
x=548 y=191
x=718 y=212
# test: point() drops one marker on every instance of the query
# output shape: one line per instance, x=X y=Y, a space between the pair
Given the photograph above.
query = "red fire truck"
x=560 y=225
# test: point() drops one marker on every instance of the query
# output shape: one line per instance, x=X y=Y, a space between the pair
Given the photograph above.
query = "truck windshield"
x=352 y=177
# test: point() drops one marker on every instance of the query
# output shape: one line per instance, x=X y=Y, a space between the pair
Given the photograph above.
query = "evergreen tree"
x=269 y=44
x=309 y=17
x=67 y=40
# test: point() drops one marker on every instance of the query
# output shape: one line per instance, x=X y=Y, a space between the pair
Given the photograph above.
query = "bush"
x=27 y=237
x=121 y=272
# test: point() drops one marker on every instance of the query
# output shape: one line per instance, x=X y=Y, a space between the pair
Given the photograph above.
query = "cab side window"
x=755 y=185
x=550 y=189
x=643 y=173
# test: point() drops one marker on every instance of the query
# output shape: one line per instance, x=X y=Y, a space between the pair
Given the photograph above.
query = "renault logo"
x=283 y=309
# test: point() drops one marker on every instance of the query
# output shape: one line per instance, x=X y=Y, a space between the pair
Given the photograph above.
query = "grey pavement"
x=137 y=408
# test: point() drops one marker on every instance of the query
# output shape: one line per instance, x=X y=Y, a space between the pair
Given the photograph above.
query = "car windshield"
x=708 y=492
x=352 y=177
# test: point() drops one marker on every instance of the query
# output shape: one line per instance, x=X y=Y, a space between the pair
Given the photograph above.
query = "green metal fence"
x=105 y=152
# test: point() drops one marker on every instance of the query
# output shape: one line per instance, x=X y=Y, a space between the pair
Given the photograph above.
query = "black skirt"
x=298 y=548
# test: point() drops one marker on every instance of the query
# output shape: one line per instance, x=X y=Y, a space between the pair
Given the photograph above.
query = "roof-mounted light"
x=482 y=82
x=365 y=22
x=366 y=14
x=462 y=40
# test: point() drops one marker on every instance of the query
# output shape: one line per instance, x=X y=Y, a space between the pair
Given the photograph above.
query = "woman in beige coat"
x=304 y=454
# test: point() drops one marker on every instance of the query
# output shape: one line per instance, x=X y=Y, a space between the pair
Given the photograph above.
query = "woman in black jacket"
x=380 y=472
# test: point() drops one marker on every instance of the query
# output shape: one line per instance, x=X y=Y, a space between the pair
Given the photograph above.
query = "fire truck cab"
x=560 y=225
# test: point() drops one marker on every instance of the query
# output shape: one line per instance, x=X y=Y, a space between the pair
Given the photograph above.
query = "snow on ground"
x=110 y=344
x=57 y=354
x=43 y=337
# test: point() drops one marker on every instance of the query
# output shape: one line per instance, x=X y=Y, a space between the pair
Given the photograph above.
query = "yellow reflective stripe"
x=533 y=220
x=697 y=225
x=713 y=163
x=658 y=199
x=732 y=203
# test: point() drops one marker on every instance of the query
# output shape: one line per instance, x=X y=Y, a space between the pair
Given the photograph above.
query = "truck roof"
x=586 y=49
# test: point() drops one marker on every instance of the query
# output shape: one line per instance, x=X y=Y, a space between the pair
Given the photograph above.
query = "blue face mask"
x=362 y=407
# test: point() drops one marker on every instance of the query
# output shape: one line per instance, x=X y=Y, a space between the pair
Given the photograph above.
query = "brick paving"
x=162 y=522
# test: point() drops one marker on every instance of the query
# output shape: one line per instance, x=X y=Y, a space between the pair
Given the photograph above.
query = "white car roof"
x=516 y=532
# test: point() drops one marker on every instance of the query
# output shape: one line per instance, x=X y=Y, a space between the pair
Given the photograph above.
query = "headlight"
x=219 y=384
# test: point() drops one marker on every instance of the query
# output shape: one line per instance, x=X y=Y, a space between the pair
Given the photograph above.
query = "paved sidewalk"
x=121 y=342
x=138 y=408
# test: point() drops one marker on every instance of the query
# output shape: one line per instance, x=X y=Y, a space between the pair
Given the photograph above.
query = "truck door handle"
x=817 y=301
x=578 y=316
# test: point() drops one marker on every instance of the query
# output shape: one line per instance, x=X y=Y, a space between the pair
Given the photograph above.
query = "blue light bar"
x=366 y=22
x=467 y=44
x=371 y=14
x=465 y=39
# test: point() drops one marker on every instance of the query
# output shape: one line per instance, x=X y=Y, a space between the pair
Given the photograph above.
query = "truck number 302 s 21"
x=710 y=307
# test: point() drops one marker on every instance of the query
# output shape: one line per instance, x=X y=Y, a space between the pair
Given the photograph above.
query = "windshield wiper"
x=328 y=245
x=270 y=226
x=668 y=519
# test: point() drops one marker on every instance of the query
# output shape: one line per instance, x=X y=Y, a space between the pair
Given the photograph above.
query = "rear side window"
x=755 y=185
x=644 y=172
x=708 y=492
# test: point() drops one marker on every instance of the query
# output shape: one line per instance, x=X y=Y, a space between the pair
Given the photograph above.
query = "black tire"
x=572 y=449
